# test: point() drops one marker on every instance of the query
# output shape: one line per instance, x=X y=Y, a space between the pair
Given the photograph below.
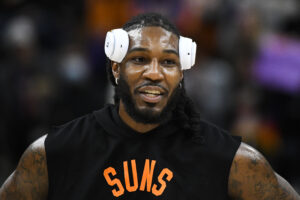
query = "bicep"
x=30 y=180
x=285 y=190
x=251 y=177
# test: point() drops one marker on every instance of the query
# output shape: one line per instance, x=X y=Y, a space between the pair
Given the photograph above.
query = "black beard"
x=146 y=116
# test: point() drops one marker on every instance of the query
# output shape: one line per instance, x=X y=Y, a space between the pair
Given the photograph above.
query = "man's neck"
x=137 y=126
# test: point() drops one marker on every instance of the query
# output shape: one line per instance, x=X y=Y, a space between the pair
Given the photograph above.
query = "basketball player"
x=151 y=144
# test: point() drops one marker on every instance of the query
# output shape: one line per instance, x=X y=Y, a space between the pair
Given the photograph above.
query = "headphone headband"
x=117 y=43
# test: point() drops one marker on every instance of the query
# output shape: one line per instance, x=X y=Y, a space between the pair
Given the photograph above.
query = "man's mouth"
x=151 y=94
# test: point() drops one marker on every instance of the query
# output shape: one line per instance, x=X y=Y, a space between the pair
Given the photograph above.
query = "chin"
x=142 y=111
x=150 y=108
x=145 y=114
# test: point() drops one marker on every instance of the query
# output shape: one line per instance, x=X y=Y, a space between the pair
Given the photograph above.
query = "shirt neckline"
x=111 y=121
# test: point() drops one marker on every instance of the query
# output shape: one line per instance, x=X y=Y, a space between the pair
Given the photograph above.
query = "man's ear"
x=181 y=75
x=115 y=67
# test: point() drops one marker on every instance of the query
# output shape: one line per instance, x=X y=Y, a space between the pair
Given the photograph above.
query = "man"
x=151 y=144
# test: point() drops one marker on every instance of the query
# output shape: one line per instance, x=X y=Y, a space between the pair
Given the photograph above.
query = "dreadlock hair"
x=185 y=113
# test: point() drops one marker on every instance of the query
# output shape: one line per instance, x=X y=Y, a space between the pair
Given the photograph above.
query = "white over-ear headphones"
x=117 y=42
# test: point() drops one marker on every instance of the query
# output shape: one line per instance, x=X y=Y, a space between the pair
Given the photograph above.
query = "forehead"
x=150 y=37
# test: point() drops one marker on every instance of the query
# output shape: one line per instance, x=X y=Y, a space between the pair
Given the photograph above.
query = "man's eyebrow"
x=138 y=49
x=171 y=51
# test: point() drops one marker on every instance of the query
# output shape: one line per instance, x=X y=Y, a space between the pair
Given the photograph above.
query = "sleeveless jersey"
x=99 y=157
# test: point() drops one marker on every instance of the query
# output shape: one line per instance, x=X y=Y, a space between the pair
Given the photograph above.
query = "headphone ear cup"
x=116 y=44
x=187 y=52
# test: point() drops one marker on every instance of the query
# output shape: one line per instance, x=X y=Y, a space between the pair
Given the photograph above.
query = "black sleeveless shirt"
x=99 y=157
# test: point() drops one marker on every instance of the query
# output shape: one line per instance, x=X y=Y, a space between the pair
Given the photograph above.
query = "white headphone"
x=117 y=42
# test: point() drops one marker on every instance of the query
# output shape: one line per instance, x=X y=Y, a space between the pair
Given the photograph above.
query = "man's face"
x=150 y=73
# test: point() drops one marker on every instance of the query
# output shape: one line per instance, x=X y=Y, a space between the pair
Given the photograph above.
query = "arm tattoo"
x=285 y=190
x=30 y=180
x=251 y=177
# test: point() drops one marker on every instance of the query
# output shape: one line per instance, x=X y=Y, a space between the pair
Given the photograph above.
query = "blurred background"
x=246 y=78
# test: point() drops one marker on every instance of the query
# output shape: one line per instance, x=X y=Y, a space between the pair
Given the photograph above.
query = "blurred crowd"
x=246 y=78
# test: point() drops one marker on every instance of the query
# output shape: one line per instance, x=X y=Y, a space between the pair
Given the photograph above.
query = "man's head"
x=149 y=76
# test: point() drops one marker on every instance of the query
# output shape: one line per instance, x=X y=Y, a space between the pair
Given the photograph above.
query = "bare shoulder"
x=30 y=179
x=252 y=177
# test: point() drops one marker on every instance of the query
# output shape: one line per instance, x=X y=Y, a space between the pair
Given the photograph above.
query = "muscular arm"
x=30 y=179
x=251 y=177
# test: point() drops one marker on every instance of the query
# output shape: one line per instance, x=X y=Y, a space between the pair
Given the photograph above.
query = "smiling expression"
x=151 y=68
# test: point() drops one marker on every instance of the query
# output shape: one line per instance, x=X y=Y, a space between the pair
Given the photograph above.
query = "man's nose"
x=153 y=71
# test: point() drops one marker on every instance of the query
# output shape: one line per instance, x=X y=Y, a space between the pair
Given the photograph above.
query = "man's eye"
x=169 y=62
x=138 y=59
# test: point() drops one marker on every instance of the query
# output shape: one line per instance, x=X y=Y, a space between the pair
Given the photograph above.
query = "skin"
x=30 y=179
x=152 y=57
x=251 y=177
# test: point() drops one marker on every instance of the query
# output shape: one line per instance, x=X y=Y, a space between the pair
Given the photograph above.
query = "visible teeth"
x=151 y=95
x=152 y=91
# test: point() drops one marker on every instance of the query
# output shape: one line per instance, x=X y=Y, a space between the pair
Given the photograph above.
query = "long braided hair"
x=185 y=113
